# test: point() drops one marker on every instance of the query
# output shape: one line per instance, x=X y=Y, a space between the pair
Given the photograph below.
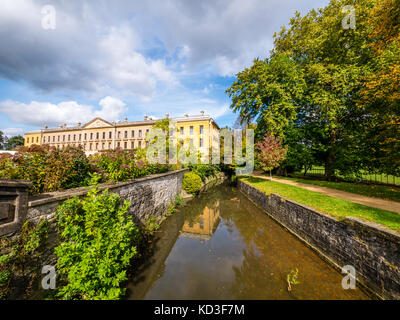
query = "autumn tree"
x=270 y=153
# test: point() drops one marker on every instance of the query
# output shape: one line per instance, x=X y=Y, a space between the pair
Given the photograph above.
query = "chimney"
x=145 y=117
x=167 y=115
x=125 y=119
x=46 y=127
x=65 y=125
x=79 y=124
x=202 y=112
x=186 y=115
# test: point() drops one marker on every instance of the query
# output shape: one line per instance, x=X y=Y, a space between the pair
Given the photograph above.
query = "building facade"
x=98 y=134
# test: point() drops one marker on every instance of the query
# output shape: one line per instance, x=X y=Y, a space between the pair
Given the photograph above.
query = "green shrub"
x=191 y=183
x=204 y=170
x=99 y=240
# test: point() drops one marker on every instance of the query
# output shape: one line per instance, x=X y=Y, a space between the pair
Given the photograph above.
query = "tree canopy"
x=312 y=89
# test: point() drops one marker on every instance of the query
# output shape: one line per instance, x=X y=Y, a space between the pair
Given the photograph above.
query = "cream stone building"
x=98 y=134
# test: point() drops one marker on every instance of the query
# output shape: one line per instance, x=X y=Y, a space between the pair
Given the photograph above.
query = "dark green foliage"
x=19 y=258
x=204 y=170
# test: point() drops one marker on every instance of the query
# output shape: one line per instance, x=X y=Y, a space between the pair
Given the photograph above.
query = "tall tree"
x=13 y=142
x=312 y=80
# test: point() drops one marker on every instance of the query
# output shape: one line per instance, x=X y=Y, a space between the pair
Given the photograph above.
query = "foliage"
x=191 y=183
x=121 y=165
x=49 y=169
x=309 y=90
x=204 y=170
x=270 y=152
x=291 y=278
x=99 y=240
x=21 y=256
x=13 y=142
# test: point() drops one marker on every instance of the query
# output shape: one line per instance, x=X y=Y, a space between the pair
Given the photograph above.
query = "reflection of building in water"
x=204 y=225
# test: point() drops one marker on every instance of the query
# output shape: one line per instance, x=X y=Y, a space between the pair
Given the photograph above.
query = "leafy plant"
x=191 y=183
x=99 y=240
x=291 y=278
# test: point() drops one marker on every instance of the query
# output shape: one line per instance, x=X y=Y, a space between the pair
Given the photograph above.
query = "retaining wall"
x=372 y=249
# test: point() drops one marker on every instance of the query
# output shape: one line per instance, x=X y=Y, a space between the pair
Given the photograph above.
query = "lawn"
x=377 y=191
x=334 y=207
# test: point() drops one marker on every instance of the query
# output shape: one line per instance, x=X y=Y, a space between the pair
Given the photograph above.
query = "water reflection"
x=203 y=224
x=223 y=247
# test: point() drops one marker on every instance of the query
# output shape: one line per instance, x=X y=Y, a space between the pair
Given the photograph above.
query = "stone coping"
x=379 y=228
x=44 y=198
x=15 y=183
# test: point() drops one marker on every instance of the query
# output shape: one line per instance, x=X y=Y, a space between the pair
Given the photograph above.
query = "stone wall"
x=150 y=197
x=372 y=249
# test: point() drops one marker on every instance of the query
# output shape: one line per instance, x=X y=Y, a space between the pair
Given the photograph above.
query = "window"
x=97 y=146
x=133 y=133
x=201 y=223
x=110 y=135
x=90 y=147
x=147 y=131
x=201 y=142
x=191 y=130
x=27 y=140
x=91 y=136
x=54 y=138
x=140 y=133
x=69 y=137
x=140 y=144
x=104 y=135
x=191 y=141
x=80 y=137
x=182 y=131
x=64 y=138
x=48 y=139
x=126 y=145
x=133 y=145
x=97 y=136
x=85 y=136
x=103 y=146
x=109 y=145
x=37 y=139
x=201 y=129
x=126 y=134
x=119 y=134
x=74 y=137
x=118 y=144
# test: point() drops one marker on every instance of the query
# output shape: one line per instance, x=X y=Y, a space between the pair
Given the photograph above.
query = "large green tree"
x=311 y=84
x=13 y=142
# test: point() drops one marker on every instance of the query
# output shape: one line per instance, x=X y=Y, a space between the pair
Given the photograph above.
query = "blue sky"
x=116 y=59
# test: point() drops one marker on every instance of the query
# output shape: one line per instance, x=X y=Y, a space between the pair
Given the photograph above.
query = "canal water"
x=221 y=246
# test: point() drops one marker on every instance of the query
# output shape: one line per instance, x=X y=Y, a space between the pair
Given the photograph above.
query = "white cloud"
x=10 y=132
x=70 y=112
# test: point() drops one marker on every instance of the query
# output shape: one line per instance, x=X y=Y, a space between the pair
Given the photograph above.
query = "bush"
x=191 y=183
x=204 y=170
x=99 y=240
x=121 y=165
x=49 y=169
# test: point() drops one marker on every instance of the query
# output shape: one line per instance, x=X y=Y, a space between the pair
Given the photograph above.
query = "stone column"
x=13 y=205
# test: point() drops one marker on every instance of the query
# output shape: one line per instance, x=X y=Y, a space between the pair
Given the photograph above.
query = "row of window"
x=91 y=136
x=191 y=130
x=32 y=140
x=107 y=146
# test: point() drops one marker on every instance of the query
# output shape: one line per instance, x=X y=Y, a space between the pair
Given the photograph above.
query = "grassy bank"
x=376 y=191
x=334 y=207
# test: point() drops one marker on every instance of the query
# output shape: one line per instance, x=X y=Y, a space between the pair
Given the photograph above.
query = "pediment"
x=97 y=123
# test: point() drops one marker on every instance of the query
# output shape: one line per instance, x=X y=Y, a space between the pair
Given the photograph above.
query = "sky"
x=68 y=61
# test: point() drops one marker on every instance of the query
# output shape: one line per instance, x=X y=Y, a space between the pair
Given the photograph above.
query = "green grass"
x=337 y=208
x=377 y=191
